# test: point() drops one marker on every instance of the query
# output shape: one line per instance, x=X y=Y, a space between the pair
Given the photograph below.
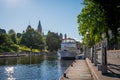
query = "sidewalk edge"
x=95 y=76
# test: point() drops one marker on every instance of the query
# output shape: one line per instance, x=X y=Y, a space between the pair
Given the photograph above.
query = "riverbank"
x=19 y=54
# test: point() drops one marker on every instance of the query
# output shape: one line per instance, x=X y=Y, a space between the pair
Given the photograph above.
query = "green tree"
x=91 y=22
x=12 y=35
x=6 y=44
x=2 y=31
x=32 y=38
x=53 y=41
x=19 y=36
x=112 y=15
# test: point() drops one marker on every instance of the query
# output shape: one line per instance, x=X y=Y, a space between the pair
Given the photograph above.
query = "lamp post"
x=104 y=54
x=86 y=51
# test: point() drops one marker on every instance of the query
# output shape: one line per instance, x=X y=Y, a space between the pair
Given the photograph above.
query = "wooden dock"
x=78 y=70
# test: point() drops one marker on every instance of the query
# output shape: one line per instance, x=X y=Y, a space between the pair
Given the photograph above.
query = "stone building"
x=39 y=28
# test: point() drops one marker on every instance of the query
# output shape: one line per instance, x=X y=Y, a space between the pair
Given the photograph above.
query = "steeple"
x=39 y=27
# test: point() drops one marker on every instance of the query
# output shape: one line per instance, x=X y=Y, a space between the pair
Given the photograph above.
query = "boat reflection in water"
x=70 y=48
x=32 y=68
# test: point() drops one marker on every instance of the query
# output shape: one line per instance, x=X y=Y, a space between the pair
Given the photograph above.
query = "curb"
x=64 y=74
x=95 y=76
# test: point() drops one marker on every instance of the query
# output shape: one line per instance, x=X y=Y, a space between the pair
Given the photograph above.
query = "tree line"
x=100 y=19
x=29 y=39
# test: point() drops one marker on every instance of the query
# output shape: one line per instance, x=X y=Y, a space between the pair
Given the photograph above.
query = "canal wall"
x=18 y=54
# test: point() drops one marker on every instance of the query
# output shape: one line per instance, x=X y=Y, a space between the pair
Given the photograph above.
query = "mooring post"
x=104 y=59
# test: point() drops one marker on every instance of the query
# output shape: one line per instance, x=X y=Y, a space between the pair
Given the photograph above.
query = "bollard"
x=65 y=75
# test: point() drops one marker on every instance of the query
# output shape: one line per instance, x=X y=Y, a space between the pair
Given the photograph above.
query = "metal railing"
x=106 y=60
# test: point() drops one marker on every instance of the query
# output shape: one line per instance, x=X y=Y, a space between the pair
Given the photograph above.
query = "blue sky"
x=55 y=15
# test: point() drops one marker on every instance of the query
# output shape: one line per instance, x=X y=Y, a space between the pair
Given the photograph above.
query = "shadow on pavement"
x=113 y=70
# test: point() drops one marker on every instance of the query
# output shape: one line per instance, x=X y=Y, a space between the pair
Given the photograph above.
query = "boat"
x=69 y=49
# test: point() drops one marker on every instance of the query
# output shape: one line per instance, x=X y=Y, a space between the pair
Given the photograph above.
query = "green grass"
x=24 y=48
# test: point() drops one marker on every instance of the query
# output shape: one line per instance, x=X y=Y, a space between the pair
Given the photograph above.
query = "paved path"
x=78 y=70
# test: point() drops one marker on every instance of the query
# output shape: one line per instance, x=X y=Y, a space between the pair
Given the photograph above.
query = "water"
x=32 y=68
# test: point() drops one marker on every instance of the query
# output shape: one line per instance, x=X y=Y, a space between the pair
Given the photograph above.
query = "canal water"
x=32 y=68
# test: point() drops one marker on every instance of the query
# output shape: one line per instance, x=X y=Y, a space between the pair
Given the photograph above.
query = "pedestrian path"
x=78 y=70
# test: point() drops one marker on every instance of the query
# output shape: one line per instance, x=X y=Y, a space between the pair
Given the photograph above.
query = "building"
x=39 y=27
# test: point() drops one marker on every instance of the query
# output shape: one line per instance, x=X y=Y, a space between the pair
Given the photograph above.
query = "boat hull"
x=67 y=55
x=68 y=58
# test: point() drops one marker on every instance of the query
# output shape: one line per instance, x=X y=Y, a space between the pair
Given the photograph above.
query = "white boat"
x=69 y=49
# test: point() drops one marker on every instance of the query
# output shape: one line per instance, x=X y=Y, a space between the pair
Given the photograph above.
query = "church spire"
x=39 y=27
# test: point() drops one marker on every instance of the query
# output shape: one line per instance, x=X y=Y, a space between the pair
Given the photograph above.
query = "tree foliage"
x=98 y=17
x=112 y=15
x=91 y=22
x=12 y=35
x=53 y=41
x=32 y=38
x=6 y=43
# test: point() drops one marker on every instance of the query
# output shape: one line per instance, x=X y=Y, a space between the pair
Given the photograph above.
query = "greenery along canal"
x=32 y=68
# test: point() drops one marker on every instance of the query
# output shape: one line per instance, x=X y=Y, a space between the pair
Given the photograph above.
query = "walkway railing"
x=105 y=60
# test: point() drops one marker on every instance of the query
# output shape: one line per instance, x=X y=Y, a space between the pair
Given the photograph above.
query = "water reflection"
x=32 y=68
x=9 y=72
x=22 y=60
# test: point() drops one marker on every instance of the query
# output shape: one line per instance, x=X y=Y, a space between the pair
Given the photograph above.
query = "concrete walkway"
x=78 y=70
x=85 y=70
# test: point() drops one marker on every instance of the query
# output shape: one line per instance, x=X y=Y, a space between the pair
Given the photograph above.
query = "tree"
x=2 y=30
x=4 y=39
x=91 y=20
x=19 y=35
x=112 y=15
x=53 y=41
x=12 y=35
x=6 y=44
x=32 y=38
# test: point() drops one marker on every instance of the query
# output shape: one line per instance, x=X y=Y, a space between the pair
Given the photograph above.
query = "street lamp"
x=104 y=54
x=86 y=51
x=104 y=39
x=103 y=35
